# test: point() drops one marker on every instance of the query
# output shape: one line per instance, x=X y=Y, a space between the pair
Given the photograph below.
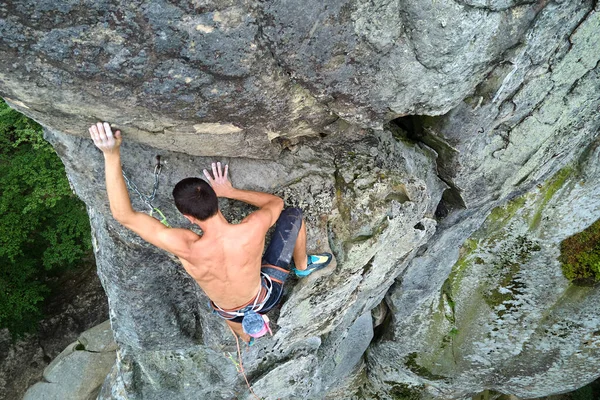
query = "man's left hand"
x=104 y=139
x=220 y=183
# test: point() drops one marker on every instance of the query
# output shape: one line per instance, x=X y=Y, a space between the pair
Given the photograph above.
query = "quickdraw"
x=149 y=199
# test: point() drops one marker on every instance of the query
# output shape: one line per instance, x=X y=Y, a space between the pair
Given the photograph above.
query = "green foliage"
x=580 y=255
x=584 y=393
x=44 y=229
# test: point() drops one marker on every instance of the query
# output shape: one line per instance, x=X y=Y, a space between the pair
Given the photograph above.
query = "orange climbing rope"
x=241 y=369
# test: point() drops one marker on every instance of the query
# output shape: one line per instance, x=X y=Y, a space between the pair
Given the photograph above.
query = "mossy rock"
x=549 y=190
x=412 y=364
x=580 y=255
x=402 y=391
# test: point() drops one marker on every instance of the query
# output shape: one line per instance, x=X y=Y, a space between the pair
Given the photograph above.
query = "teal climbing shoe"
x=315 y=263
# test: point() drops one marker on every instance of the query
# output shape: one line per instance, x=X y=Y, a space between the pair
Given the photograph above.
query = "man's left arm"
x=176 y=241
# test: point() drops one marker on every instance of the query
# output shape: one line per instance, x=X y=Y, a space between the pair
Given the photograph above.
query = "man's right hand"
x=104 y=139
x=220 y=184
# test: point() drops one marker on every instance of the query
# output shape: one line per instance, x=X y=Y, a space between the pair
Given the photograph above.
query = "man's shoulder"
x=179 y=241
x=247 y=227
x=256 y=221
x=182 y=233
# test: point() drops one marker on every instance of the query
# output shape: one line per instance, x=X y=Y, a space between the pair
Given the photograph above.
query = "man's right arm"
x=270 y=206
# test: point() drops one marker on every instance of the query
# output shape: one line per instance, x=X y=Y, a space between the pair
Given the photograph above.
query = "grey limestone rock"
x=78 y=372
x=422 y=140
x=181 y=339
x=98 y=339
x=505 y=310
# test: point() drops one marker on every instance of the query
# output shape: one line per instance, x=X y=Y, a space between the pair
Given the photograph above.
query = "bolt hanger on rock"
x=149 y=199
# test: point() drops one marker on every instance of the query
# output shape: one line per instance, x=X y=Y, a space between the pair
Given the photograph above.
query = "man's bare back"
x=226 y=263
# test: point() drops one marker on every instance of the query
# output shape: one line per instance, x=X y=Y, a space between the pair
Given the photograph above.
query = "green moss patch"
x=401 y=391
x=549 y=190
x=501 y=215
x=452 y=284
x=411 y=364
x=453 y=281
x=448 y=339
x=580 y=255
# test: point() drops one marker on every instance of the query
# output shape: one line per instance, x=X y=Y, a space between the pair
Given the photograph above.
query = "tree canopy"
x=44 y=228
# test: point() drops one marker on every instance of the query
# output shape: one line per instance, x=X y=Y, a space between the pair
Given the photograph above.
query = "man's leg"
x=237 y=328
x=300 y=257
x=283 y=243
x=289 y=241
x=305 y=264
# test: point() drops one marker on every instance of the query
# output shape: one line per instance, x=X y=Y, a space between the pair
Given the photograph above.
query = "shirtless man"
x=226 y=260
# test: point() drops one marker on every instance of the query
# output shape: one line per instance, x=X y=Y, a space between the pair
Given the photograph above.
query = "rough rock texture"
x=521 y=125
x=441 y=150
x=80 y=305
x=79 y=370
x=182 y=341
x=505 y=318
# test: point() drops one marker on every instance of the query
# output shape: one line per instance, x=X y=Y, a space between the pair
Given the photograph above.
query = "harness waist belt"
x=260 y=297
x=255 y=304
x=276 y=273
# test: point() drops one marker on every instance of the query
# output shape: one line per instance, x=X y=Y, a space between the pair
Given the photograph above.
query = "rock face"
x=79 y=370
x=441 y=150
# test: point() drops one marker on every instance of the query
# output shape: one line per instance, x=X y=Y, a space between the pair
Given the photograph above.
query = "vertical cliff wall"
x=427 y=143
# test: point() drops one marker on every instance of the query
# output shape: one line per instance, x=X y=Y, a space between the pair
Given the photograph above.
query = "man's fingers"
x=94 y=134
x=104 y=138
x=218 y=172
x=108 y=130
x=101 y=133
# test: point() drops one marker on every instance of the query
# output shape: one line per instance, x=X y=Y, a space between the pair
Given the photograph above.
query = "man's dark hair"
x=195 y=197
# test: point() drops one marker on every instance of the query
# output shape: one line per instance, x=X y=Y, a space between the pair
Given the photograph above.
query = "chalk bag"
x=256 y=325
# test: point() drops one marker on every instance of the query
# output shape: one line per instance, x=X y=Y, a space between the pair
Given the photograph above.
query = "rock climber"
x=226 y=260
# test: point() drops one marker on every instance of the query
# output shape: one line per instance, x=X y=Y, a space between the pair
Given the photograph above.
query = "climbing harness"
x=253 y=323
x=149 y=199
x=256 y=305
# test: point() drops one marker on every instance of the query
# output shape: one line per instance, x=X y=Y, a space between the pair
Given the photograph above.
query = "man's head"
x=194 y=197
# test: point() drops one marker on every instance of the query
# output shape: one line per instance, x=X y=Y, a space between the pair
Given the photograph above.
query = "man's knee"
x=292 y=212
